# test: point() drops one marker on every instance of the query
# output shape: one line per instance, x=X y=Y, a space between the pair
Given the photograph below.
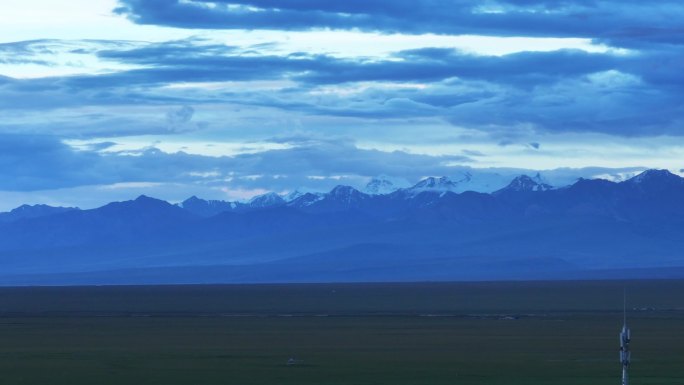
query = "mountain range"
x=430 y=231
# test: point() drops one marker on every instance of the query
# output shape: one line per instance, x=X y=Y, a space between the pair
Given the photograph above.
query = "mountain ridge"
x=590 y=225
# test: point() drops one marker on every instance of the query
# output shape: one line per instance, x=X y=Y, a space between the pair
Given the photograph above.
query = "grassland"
x=418 y=334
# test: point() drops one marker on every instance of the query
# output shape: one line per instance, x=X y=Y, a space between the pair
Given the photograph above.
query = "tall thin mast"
x=625 y=339
x=624 y=307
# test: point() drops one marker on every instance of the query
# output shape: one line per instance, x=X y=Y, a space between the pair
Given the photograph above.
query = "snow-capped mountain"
x=346 y=195
x=292 y=195
x=617 y=176
x=305 y=200
x=662 y=177
x=348 y=235
x=338 y=199
x=383 y=184
x=484 y=182
x=525 y=183
x=434 y=184
x=206 y=208
x=266 y=200
x=660 y=185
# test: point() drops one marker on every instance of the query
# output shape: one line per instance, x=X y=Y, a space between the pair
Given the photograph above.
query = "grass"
x=561 y=333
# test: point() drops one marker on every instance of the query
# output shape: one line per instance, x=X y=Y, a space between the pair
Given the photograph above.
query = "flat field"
x=354 y=334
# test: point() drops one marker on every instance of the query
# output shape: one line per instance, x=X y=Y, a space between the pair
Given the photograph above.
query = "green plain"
x=420 y=334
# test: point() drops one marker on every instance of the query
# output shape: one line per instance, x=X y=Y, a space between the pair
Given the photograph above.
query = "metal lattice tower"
x=625 y=339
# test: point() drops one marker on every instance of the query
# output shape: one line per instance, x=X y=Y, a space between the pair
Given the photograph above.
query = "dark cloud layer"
x=620 y=22
x=634 y=94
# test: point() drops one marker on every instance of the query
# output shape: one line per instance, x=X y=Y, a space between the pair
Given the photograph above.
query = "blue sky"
x=106 y=99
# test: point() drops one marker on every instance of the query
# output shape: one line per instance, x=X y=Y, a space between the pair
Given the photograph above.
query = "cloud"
x=434 y=64
x=60 y=175
x=35 y=161
x=43 y=169
x=557 y=91
x=178 y=120
x=625 y=23
x=635 y=94
x=38 y=162
x=100 y=146
x=329 y=114
x=180 y=116
x=473 y=153
x=194 y=60
x=25 y=52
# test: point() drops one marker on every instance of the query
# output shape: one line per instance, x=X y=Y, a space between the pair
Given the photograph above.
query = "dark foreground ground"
x=421 y=334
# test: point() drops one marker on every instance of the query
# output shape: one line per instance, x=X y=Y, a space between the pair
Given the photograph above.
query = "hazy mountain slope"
x=32 y=211
x=525 y=230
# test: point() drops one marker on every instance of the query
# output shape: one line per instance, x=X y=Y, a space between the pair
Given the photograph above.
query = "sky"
x=104 y=100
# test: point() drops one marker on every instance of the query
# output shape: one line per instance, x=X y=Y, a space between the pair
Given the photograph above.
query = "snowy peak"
x=656 y=183
x=346 y=195
x=344 y=192
x=382 y=185
x=305 y=200
x=267 y=200
x=206 y=208
x=441 y=184
x=655 y=177
x=525 y=183
x=291 y=196
x=379 y=187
